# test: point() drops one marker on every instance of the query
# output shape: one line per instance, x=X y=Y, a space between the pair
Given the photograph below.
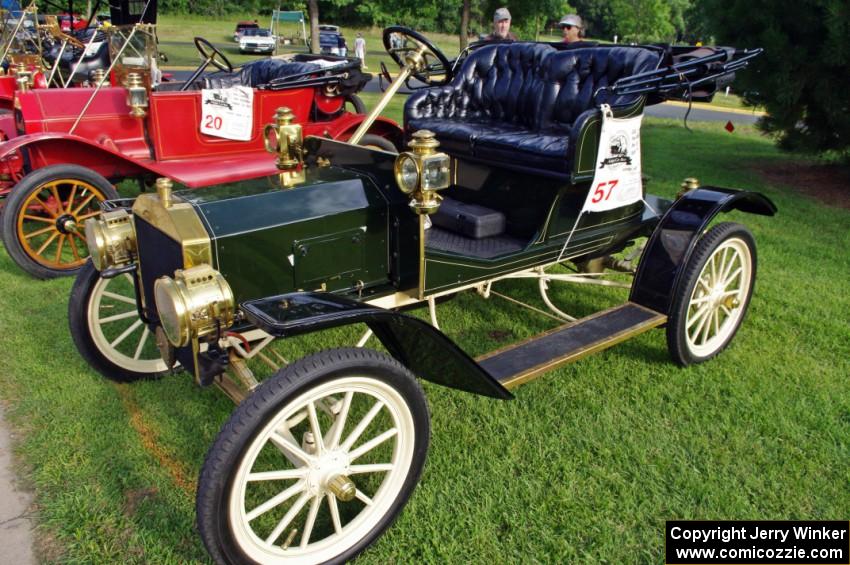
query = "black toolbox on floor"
x=470 y=220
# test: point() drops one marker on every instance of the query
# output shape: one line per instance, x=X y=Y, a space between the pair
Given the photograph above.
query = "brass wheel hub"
x=66 y=224
x=328 y=475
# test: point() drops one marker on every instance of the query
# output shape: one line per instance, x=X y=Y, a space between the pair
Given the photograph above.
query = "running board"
x=521 y=362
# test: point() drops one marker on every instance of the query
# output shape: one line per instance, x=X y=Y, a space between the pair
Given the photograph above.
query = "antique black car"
x=528 y=159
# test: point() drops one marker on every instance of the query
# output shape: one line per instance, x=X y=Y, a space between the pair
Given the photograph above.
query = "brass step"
x=521 y=362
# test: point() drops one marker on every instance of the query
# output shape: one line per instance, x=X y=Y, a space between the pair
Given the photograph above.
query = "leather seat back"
x=573 y=77
x=501 y=83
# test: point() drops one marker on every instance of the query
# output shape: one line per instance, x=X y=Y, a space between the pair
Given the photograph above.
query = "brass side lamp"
x=422 y=172
x=285 y=139
x=137 y=95
x=288 y=138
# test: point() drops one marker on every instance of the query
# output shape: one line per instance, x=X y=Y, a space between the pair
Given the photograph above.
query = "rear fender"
x=45 y=149
x=344 y=127
x=420 y=347
x=671 y=244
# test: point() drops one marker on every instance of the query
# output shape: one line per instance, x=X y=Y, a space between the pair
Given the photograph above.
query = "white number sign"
x=228 y=112
x=617 y=181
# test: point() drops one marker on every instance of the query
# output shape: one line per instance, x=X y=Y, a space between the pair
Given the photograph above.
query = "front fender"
x=50 y=148
x=671 y=244
x=422 y=348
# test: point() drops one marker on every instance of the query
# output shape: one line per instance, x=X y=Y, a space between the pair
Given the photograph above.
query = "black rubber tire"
x=216 y=479
x=382 y=143
x=78 y=307
x=17 y=200
x=357 y=102
x=677 y=343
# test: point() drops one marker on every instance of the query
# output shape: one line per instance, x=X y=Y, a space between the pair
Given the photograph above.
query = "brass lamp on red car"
x=137 y=95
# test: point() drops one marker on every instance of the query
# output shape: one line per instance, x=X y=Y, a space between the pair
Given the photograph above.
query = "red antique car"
x=68 y=148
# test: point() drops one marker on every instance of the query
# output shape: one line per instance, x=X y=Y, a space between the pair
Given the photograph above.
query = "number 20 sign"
x=228 y=112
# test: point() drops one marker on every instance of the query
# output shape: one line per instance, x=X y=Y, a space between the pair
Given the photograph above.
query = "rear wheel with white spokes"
x=107 y=330
x=316 y=463
x=713 y=294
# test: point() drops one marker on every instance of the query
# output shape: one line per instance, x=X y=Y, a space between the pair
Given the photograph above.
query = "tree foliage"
x=802 y=79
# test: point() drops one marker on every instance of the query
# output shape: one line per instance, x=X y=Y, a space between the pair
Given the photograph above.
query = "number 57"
x=600 y=194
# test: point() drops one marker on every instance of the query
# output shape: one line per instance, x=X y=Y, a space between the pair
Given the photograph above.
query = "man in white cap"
x=572 y=28
x=501 y=27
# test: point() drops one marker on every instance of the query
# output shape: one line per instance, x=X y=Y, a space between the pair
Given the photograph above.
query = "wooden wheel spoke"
x=74 y=246
x=126 y=333
x=362 y=425
x=332 y=505
x=372 y=444
x=32 y=218
x=361 y=496
x=87 y=216
x=274 y=501
x=44 y=206
x=71 y=198
x=311 y=520
x=84 y=204
x=116 y=317
x=47 y=243
x=40 y=232
x=141 y=346
x=55 y=192
x=119 y=297
x=287 y=519
x=62 y=239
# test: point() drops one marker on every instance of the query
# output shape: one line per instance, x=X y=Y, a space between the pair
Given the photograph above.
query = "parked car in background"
x=242 y=26
x=257 y=41
x=329 y=39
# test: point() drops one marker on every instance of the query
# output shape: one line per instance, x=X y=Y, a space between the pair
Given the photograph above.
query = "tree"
x=464 y=24
x=313 y=14
x=802 y=78
x=643 y=20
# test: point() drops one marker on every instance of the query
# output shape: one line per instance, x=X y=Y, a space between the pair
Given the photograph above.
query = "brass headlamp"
x=111 y=239
x=137 y=95
x=422 y=172
x=193 y=304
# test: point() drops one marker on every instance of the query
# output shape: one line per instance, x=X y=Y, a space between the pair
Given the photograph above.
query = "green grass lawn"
x=584 y=466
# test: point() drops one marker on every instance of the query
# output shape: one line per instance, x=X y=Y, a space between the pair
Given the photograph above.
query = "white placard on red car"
x=617 y=181
x=228 y=112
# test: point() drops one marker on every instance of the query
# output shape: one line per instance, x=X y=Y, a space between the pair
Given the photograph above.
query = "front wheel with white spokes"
x=316 y=463
x=107 y=330
x=713 y=294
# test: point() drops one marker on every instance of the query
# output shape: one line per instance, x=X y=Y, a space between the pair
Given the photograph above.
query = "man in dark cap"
x=501 y=27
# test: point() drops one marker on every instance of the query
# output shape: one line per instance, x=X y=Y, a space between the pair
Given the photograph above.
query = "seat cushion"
x=524 y=148
x=455 y=137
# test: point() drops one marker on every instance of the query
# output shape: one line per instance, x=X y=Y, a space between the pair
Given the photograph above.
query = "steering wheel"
x=410 y=48
x=212 y=57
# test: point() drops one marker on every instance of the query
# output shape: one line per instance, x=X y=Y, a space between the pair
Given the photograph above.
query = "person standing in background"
x=360 y=49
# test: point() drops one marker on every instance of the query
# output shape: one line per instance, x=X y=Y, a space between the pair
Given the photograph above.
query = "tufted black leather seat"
x=519 y=105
